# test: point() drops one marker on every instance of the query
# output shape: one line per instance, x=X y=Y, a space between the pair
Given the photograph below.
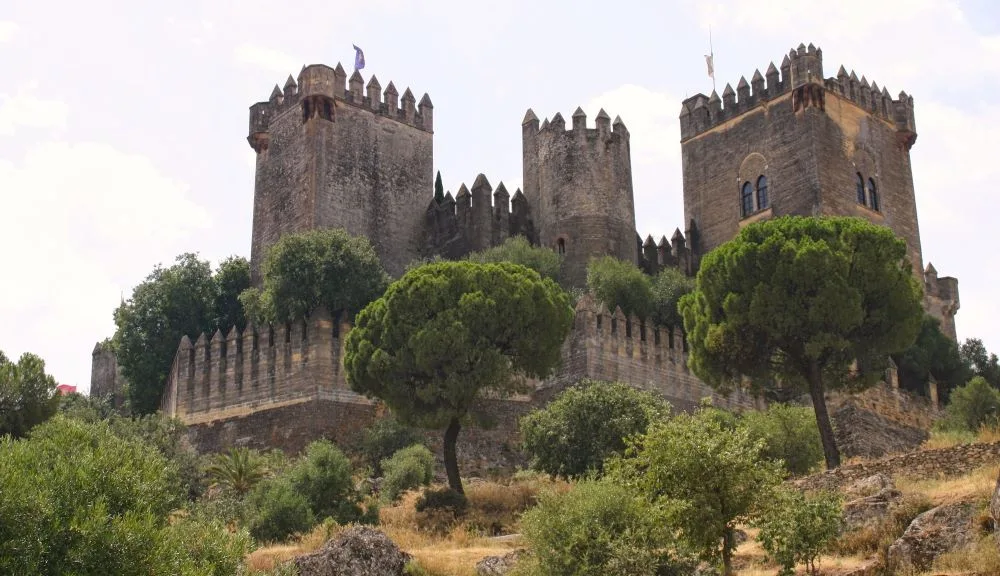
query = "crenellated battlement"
x=266 y=365
x=317 y=92
x=603 y=128
x=800 y=73
x=678 y=252
x=476 y=218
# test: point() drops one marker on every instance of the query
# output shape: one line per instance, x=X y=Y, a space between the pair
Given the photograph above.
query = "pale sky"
x=123 y=124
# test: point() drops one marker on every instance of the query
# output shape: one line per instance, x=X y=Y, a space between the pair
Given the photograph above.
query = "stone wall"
x=926 y=464
x=106 y=378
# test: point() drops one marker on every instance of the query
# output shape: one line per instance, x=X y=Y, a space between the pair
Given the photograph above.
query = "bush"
x=78 y=499
x=519 y=251
x=586 y=424
x=443 y=499
x=668 y=286
x=971 y=406
x=790 y=434
x=600 y=528
x=279 y=511
x=239 y=470
x=619 y=283
x=323 y=477
x=207 y=548
x=408 y=468
x=795 y=528
x=382 y=439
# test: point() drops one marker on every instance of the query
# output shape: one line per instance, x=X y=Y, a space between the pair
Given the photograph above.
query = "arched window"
x=561 y=246
x=873 y=196
x=746 y=199
x=762 y=203
x=860 y=184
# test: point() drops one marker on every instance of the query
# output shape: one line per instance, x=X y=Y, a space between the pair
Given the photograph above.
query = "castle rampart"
x=478 y=218
x=677 y=253
x=578 y=183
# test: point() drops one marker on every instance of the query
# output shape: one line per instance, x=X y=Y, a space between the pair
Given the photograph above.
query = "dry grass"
x=267 y=558
x=948 y=439
x=981 y=557
x=976 y=485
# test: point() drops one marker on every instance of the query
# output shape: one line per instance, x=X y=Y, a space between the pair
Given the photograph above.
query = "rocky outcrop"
x=931 y=534
x=498 y=565
x=869 y=486
x=358 y=551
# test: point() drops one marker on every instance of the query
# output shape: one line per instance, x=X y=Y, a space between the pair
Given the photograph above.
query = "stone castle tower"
x=332 y=153
x=578 y=183
x=796 y=143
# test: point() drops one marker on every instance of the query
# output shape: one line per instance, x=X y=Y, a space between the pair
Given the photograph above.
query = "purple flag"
x=359 y=58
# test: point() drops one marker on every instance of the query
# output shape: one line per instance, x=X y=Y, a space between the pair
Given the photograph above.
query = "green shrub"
x=796 y=529
x=408 y=468
x=616 y=283
x=323 y=477
x=238 y=470
x=279 y=511
x=382 y=439
x=972 y=406
x=545 y=261
x=585 y=424
x=668 y=286
x=600 y=528
x=207 y=548
x=790 y=434
x=77 y=499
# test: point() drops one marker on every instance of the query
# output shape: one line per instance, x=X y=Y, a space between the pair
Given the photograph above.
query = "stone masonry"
x=333 y=151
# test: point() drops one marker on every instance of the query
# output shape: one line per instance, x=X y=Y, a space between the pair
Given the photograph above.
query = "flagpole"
x=711 y=51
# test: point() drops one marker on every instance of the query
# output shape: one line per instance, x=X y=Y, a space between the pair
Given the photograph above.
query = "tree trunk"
x=830 y=451
x=728 y=539
x=450 y=458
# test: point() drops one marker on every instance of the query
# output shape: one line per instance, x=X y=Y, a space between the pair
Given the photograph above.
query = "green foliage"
x=615 y=282
x=668 y=287
x=932 y=355
x=713 y=472
x=184 y=299
x=446 y=334
x=438 y=189
x=207 y=548
x=168 y=436
x=383 y=438
x=279 y=511
x=231 y=279
x=77 y=499
x=789 y=434
x=320 y=268
x=982 y=363
x=796 y=529
x=798 y=300
x=518 y=250
x=973 y=405
x=408 y=468
x=27 y=394
x=585 y=424
x=323 y=476
x=600 y=528
x=238 y=470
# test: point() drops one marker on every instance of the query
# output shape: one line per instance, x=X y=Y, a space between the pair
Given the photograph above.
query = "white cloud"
x=266 y=58
x=8 y=30
x=24 y=109
x=81 y=223
x=651 y=119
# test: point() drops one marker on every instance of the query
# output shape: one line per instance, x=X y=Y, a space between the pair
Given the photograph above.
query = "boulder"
x=869 y=486
x=498 y=565
x=931 y=534
x=357 y=551
x=870 y=509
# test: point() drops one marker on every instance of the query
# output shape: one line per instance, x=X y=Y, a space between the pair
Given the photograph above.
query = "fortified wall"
x=284 y=385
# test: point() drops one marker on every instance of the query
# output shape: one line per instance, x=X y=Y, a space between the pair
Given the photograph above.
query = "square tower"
x=792 y=142
x=333 y=153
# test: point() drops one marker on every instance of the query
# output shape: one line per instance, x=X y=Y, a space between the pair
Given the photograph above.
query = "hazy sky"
x=123 y=124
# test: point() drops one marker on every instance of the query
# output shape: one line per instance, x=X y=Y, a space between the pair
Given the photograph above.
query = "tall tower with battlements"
x=333 y=152
x=791 y=141
x=578 y=184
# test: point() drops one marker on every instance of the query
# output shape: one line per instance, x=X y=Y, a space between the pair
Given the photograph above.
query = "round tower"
x=578 y=183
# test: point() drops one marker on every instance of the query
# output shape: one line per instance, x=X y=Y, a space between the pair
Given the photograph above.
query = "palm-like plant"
x=239 y=470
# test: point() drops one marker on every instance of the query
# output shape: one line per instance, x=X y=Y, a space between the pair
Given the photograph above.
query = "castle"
x=333 y=151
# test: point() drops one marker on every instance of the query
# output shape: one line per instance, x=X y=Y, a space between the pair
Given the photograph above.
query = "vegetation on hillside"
x=27 y=394
x=800 y=303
